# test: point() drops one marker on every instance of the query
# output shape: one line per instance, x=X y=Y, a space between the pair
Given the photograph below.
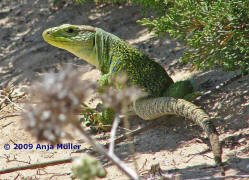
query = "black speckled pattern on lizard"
x=118 y=57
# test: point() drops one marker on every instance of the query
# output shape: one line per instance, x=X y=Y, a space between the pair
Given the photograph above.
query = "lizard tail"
x=151 y=108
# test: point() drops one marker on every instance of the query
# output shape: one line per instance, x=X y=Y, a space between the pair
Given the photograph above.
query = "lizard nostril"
x=46 y=34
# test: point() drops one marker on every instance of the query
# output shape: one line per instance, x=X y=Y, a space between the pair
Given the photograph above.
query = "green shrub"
x=215 y=32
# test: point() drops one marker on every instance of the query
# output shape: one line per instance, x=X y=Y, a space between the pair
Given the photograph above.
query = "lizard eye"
x=70 y=30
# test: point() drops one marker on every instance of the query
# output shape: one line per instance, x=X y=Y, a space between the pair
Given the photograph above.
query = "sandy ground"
x=178 y=146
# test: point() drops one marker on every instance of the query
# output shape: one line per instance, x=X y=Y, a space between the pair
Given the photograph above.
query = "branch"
x=113 y=133
x=36 y=165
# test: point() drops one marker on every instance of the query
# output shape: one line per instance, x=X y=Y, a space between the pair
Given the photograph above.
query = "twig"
x=221 y=85
x=56 y=175
x=113 y=133
x=4 y=126
x=123 y=167
x=15 y=159
x=10 y=115
x=140 y=170
x=5 y=97
x=222 y=177
x=36 y=165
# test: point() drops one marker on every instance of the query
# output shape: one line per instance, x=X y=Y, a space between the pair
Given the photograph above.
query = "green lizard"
x=112 y=56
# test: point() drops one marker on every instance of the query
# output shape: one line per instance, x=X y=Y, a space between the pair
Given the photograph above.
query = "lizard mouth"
x=48 y=37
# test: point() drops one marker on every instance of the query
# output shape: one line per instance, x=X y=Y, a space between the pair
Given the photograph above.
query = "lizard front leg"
x=101 y=118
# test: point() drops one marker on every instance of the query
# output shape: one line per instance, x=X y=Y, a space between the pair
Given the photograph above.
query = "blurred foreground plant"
x=87 y=167
x=59 y=98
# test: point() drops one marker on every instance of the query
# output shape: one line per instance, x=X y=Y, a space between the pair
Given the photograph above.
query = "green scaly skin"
x=113 y=56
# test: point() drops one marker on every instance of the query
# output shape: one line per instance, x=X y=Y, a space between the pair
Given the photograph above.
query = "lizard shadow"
x=169 y=135
x=173 y=136
x=239 y=165
x=201 y=171
x=148 y=142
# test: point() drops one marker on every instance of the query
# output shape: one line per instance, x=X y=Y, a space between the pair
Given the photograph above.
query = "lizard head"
x=77 y=39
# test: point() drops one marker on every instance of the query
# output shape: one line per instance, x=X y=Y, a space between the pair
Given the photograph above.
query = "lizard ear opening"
x=94 y=42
